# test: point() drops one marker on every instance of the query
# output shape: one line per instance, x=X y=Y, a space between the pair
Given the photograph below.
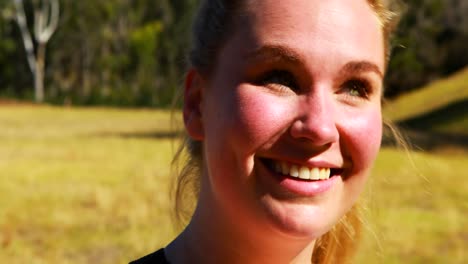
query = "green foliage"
x=427 y=44
x=124 y=52
x=11 y=54
x=115 y=52
x=144 y=40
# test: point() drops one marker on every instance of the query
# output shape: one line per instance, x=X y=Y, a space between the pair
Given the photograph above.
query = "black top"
x=157 y=257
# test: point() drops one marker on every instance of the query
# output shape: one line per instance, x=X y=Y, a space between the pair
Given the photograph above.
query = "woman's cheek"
x=363 y=137
x=263 y=116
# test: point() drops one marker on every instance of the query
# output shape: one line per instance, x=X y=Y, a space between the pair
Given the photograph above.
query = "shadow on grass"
x=418 y=139
x=453 y=118
x=431 y=141
x=144 y=135
x=420 y=129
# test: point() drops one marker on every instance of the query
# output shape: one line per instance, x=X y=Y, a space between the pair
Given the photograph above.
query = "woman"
x=282 y=106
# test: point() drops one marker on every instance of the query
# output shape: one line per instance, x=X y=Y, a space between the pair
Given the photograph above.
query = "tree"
x=133 y=52
x=45 y=23
x=430 y=44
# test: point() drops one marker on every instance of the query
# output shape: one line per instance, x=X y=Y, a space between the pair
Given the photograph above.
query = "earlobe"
x=193 y=95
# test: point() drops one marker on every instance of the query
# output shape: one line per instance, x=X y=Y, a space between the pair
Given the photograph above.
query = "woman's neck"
x=215 y=238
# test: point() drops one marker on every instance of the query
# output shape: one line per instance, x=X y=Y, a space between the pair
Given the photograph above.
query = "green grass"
x=82 y=185
x=418 y=206
x=437 y=95
x=91 y=186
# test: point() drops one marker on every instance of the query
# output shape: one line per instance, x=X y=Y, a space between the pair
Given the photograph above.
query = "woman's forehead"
x=311 y=14
x=321 y=29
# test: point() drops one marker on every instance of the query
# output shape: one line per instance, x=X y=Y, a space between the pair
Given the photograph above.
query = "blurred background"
x=86 y=89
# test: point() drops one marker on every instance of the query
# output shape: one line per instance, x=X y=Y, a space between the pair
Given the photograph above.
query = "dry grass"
x=91 y=186
x=418 y=207
x=82 y=185
x=436 y=95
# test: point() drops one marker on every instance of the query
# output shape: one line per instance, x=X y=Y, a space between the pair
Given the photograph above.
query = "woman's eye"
x=356 y=88
x=279 y=79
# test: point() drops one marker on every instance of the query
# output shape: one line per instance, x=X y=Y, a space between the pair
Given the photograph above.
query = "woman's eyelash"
x=281 y=78
x=357 y=87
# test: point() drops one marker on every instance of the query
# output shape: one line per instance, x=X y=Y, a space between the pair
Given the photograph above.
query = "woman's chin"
x=298 y=220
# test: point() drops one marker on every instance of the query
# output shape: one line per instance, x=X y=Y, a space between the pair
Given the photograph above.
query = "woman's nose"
x=316 y=121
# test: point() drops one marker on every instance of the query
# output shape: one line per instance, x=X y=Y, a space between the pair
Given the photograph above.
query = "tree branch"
x=28 y=44
x=49 y=17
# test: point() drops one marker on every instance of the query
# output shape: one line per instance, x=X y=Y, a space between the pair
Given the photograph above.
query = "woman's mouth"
x=301 y=172
x=304 y=180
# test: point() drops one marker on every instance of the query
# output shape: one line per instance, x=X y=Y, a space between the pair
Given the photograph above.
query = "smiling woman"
x=282 y=107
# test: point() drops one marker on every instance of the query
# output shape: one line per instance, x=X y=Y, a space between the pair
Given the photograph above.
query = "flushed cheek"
x=237 y=128
x=362 y=139
x=262 y=117
x=240 y=121
x=360 y=142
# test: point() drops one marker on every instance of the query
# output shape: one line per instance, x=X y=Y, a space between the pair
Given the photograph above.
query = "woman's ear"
x=193 y=96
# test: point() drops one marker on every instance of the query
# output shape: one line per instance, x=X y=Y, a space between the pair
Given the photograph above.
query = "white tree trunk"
x=28 y=44
x=39 y=76
x=46 y=19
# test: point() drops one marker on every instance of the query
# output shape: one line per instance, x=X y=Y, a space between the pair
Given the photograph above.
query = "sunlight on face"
x=295 y=96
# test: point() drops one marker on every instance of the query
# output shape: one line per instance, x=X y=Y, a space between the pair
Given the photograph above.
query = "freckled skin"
x=243 y=121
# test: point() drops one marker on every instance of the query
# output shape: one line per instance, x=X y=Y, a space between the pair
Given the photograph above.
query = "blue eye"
x=356 y=88
x=279 y=78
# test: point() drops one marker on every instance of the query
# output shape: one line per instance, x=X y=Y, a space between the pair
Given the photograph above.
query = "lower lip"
x=302 y=187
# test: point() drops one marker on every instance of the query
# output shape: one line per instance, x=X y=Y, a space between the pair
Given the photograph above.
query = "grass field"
x=436 y=95
x=91 y=186
x=434 y=116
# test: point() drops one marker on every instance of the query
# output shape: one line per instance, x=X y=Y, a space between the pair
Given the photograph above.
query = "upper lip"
x=312 y=163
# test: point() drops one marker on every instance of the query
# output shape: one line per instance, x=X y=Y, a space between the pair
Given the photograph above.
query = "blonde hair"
x=213 y=24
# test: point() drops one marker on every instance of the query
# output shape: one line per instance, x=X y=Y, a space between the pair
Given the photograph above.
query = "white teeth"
x=294 y=171
x=315 y=174
x=302 y=172
x=324 y=173
x=321 y=174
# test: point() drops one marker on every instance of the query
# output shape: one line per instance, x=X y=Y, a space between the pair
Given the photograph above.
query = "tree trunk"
x=46 y=20
x=39 y=74
x=28 y=43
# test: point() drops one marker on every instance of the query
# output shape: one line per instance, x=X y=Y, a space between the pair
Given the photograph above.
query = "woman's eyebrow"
x=274 y=53
x=358 y=67
x=284 y=54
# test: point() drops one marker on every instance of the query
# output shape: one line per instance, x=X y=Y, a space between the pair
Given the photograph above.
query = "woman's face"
x=291 y=117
